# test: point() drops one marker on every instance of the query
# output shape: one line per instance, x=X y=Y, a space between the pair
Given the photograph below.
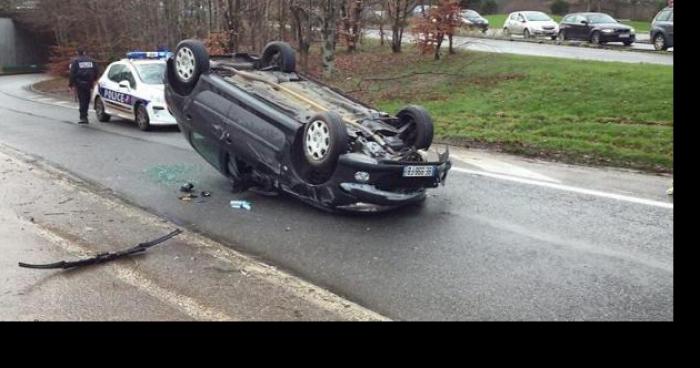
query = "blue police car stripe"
x=119 y=97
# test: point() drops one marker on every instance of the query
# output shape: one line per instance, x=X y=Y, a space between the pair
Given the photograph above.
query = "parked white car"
x=133 y=89
x=531 y=24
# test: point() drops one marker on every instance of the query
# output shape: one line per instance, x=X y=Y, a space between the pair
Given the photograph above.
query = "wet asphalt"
x=643 y=53
x=481 y=248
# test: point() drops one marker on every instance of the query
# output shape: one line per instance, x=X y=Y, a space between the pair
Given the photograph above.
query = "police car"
x=133 y=89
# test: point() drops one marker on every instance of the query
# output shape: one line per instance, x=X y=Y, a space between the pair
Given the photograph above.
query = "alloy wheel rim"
x=659 y=42
x=318 y=140
x=185 y=64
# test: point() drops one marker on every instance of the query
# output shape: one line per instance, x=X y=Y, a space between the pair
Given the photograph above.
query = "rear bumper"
x=617 y=38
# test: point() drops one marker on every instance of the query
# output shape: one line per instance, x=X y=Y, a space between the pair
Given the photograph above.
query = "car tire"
x=660 y=43
x=416 y=126
x=628 y=43
x=102 y=116
x=280 y=56
x=142 y=118
x=554 y=38
x=526 y=34
x=190 y=61
x=506 y=32
x=595 y=38
x=325 y=139
x=562 y=36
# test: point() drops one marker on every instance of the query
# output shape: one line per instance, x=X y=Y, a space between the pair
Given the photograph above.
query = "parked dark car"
x=661 y=34
x=262 y=124
x=597 y=28
x=473 y=20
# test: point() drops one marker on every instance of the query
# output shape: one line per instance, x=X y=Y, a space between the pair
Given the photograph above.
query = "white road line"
x=185 y=304
x=501 y=167
x=567 y=188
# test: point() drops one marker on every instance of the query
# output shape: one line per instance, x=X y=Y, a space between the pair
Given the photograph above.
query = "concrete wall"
x=8 y=52
x=18 y=47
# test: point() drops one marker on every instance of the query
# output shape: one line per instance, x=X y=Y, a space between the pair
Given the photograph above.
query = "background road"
x=506 y=239
x=551 y=50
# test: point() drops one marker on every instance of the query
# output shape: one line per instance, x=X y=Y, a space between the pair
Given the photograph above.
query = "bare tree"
x=398 y=12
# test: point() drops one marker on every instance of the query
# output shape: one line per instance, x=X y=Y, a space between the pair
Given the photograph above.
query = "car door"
x=509 y=22
x=519 y=23
x=109 y=89
x=580 y=28
x=129 y=90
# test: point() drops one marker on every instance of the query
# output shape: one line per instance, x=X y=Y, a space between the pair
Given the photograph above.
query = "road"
x=551 y=50
x=505 y=239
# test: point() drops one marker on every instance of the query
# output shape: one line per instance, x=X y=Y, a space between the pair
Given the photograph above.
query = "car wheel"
x=506 y=32
x=279 y=56
x=627 y=43
x=142 y=118
x=325 y=139
x=562 y=36
x=526 y=34
x=660 y=42
x=554 y=38
x=595 y=38
x=102 y=116
x=190 y=61
x=416 y=127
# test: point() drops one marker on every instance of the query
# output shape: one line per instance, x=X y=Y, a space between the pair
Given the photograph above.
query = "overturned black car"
x=263 y=125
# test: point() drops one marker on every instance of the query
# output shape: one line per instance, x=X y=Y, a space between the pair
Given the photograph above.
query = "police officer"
x=83 y=75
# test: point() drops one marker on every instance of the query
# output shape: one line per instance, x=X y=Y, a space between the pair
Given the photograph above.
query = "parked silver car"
x=531 y=24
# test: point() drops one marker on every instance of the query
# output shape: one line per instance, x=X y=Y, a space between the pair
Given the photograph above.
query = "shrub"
x=560 y=7
x=489 y=7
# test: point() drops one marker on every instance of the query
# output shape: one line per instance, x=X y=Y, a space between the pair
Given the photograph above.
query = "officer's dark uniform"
x=83 y=74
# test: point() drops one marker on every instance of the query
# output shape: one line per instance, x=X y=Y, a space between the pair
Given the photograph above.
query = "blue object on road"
x=245 y=205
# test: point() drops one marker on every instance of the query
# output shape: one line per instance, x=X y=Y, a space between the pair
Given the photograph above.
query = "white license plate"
x=418 y=171
x=624 y=36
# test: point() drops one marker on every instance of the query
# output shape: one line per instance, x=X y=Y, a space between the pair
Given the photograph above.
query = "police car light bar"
x=140 y=55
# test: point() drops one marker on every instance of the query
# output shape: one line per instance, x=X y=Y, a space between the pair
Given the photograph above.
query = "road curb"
x=153 y=278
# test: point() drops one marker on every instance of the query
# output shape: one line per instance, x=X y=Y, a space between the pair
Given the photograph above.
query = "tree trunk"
x=328 y=31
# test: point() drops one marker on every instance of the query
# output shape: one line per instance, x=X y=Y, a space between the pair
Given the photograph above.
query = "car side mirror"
x=584 y=22
x=124 y=84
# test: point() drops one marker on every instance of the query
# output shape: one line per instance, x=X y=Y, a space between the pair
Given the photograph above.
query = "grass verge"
x=611 y=114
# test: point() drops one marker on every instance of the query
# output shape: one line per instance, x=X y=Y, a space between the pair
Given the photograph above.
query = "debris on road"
x=241 y=205
x=188 y=197
x=206 y=194
x=187 y=188
x=103 y=257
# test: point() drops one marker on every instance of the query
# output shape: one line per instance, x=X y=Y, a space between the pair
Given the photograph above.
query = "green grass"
x=497 y=20
x=588 y=112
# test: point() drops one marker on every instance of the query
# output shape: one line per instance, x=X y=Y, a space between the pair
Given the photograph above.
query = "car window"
x=600 y=18
x=663 y=16
x=206 y=147
x=126 y=75
x=569 y=19
x=152 y=73
x=537 y=16
x=670 y=19
x=115 y=72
